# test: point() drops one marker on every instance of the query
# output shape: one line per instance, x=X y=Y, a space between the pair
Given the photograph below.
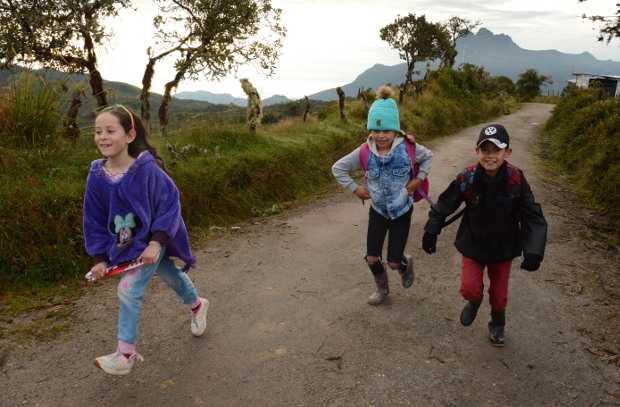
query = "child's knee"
x=123 y=289
x=394 y=266
x=471 y=291
x=371 y=260
x=126 y=289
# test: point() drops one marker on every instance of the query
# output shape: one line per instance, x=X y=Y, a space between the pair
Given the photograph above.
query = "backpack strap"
x=514 y=175
x=410 y=143
x=466 y=179
x=422 y=191
x=364 y=156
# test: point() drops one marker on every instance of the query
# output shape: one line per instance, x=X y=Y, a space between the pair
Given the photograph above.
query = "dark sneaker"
x=496 y=335
x=468 y=315
x=406 y=271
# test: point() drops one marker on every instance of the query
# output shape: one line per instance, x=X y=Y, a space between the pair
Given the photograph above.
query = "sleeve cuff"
x=422 y=175
x=100 y=258
x=352 y=187
x=160 y=237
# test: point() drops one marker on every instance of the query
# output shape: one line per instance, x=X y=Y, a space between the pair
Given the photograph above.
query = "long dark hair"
x=129 y=120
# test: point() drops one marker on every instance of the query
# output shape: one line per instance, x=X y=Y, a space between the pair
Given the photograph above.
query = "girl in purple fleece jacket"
x=132 y=212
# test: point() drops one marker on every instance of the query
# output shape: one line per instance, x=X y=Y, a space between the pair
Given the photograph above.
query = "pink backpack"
x=422 y=191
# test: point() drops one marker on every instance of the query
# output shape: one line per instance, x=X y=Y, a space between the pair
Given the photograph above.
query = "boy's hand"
x=413 y=185
x=151 y=253
x=362 y=193
x=98 y=270
x=530 y=263
x=429 y=243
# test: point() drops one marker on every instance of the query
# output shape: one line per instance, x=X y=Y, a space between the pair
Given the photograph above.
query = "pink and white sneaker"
x=117 y=364
x=199 y=318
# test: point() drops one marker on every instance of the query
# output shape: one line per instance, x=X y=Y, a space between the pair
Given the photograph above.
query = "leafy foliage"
x=215 y=37
x=583 y=139
x=610 y=25
x=30 y=112
x=529 y=83
x=416 y=39
x=458 y=27
x=61 y=34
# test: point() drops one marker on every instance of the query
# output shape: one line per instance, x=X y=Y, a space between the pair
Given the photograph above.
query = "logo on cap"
x=378 y=122
x=489 y=131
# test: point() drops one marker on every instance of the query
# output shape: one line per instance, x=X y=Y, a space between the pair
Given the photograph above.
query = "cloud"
x=330 y=42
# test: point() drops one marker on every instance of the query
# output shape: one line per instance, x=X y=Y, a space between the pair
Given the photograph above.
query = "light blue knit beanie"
x=383 y=113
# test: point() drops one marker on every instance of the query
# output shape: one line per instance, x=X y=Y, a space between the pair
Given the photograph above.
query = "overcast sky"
x=330 y=42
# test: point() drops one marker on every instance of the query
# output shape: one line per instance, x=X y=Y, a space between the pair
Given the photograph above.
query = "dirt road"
x=289 y=324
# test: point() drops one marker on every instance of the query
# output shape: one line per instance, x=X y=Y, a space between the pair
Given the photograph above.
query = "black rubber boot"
x=468 y=315
x=381 y=281
x=496 y=328
x=406 y=271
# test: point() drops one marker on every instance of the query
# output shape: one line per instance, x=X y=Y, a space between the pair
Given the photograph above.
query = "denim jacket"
x=387 y=178
x=386 y=175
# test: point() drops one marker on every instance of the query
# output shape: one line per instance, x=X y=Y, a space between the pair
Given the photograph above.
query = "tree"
x=415 y=39
x=71 y=130
x=255 y=105
x=60 y=34
x=502 y=85
x=306 y=108
x=341 y=97
x=529 y=83
x=458 y=27
x=213 y=38
x=611 y=25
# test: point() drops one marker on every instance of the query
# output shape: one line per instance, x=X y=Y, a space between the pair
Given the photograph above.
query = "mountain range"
x=228 y=99
x=498 y=54
x=118 y=92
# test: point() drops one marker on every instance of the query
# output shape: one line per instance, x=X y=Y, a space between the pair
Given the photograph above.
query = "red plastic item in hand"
x=115 y=270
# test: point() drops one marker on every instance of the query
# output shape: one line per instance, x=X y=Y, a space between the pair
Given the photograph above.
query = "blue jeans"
x=131 y=293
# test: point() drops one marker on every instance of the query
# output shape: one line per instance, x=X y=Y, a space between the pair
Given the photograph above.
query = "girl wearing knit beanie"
x=395 y=167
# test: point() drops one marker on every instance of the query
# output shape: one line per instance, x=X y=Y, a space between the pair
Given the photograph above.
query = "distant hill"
x=120 y=92
x=215 y=98
x=227 y=99
x=498 y=54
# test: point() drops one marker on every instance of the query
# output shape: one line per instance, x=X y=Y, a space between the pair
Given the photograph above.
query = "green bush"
x=583 y=139
x=30 y=112
x=453 y=99
x=223 y=173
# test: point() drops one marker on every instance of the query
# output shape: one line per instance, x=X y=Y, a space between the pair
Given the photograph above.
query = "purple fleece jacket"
x=120 y=218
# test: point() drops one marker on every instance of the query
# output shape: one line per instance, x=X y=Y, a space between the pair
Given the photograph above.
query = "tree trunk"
x=409 y=77
x=255 y=106
x=306 y=108
x=96 y=84
x=147 y=80
x=341 y=103
x=96 y=81
x=165 y=102
x=71 y=130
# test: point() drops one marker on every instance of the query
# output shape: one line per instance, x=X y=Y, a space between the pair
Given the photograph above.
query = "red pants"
x=472 y=282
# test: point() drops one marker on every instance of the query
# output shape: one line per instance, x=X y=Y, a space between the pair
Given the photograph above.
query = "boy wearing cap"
x=391 y=179
x=501 y=220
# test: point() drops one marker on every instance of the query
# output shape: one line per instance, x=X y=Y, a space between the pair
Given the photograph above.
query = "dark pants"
x=472 y=282
x=378 y=226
